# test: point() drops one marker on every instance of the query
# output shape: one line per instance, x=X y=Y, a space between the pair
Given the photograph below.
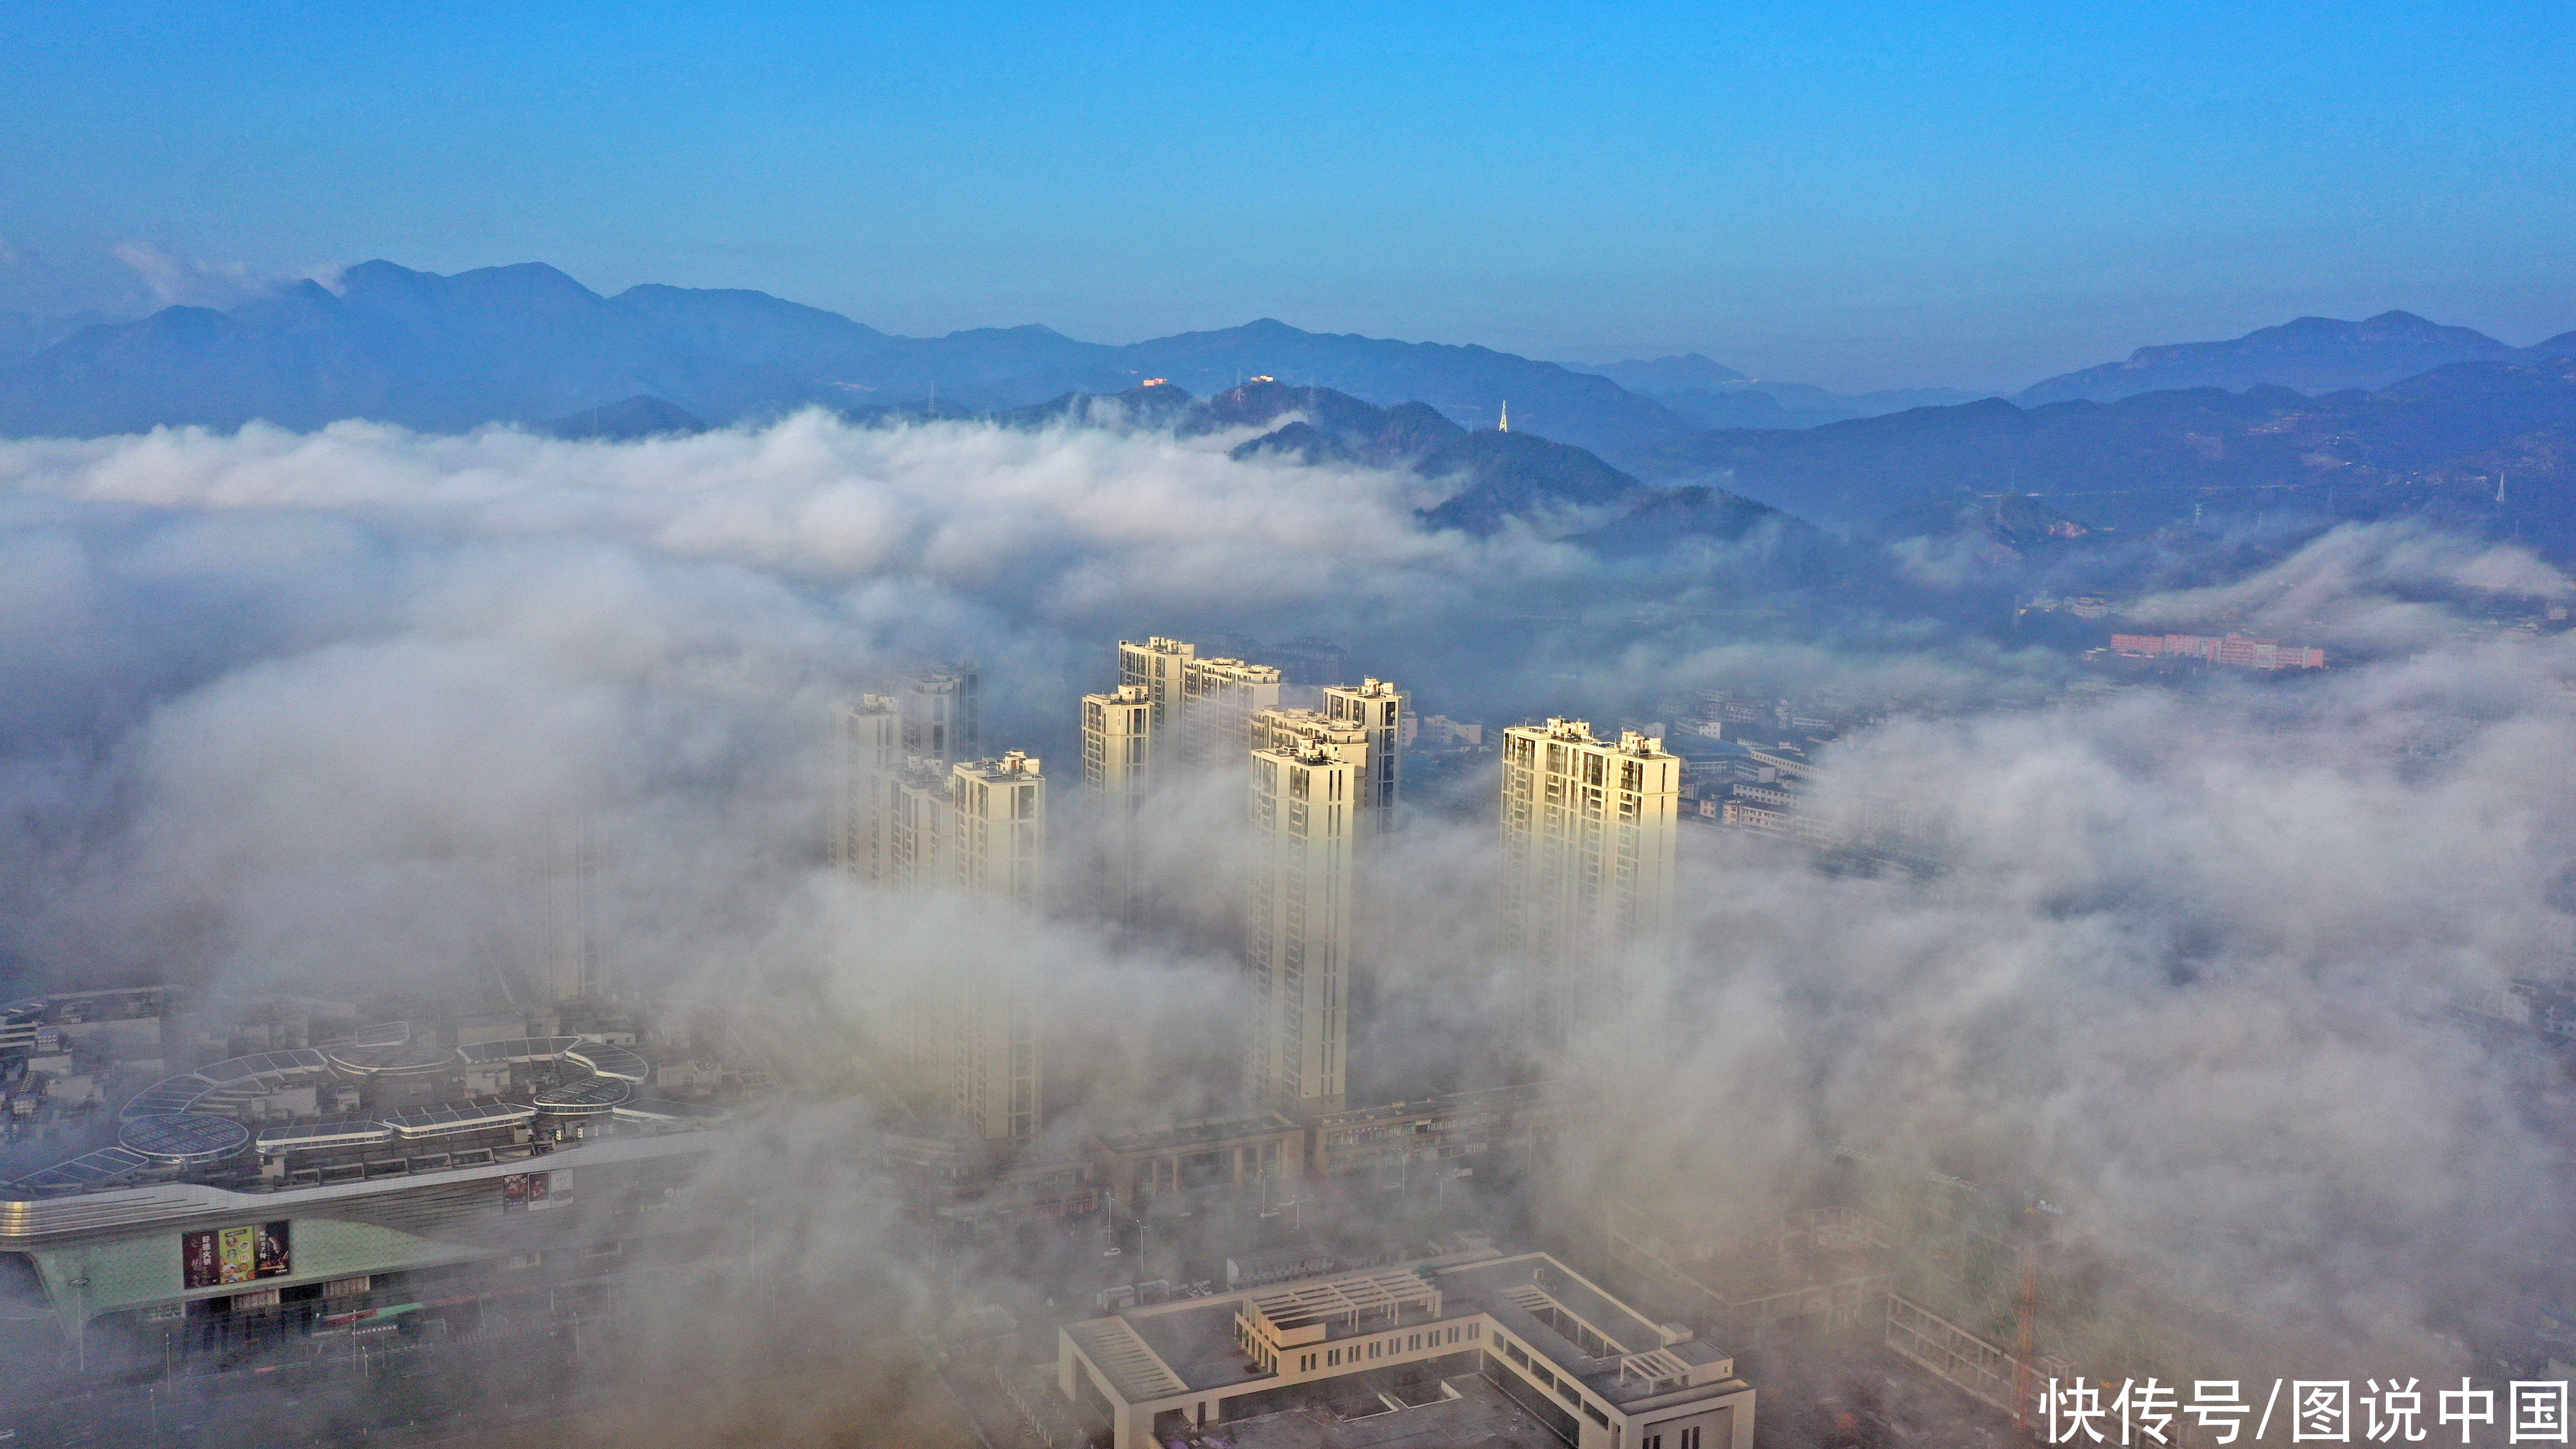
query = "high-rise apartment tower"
x=942 y=713
x=1305 y=813
x=997 y=849
x=1589 y=832
x=1117 y=770
x=1220 y=699
x=1377 y=707
x=871 y=738
x=1323 y=785
x=1160 y=667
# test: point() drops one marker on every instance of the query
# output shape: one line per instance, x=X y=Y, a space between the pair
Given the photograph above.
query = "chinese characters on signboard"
x=2328 y=1411
x=214 y=1257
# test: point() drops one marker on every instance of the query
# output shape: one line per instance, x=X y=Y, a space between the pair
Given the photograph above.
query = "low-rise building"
x=1524 y=1332
x=254 y=1199
x=1137 y=1166
x=1401 y=1141
x=2234 y=651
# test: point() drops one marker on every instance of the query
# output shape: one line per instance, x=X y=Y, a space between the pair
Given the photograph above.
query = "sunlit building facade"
x=1305 y=809
x=1590 y=828
x=997 y=851
x=1219 y=701
x=1117 y=770
x=1160 y=667
x=1378 y=708
x=1322 y=783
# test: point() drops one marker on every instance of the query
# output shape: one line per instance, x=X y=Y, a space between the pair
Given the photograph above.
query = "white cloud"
x=299 y=707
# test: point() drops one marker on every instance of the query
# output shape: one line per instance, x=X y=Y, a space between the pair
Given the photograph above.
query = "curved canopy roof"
x=590 y=1094
x=184 y=1137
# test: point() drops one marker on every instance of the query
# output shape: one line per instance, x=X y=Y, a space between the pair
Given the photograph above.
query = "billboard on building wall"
x=522 y=1190
x=213 y=1257
x=274 y=1258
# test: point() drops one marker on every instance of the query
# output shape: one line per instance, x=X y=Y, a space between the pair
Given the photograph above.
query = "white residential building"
x=1379 y=708
x=871 y=748
x=1305 y=811
x=997 y=850
x=1590 y=828
x=1117 y=771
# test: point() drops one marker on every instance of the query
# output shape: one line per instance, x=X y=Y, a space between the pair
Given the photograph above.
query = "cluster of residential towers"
x=1588 y=835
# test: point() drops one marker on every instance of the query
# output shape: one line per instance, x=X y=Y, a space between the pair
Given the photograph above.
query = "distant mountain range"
x=2445 y=443
x=527 y=344
x=2405 y=415
x=1714 y=395
x=2312 y=354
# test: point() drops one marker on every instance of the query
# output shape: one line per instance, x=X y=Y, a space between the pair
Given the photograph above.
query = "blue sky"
x=1862 y=196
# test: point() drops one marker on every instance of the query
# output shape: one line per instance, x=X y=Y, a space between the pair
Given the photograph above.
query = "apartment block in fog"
x=1220 y=699
x=942 y=713
x=1589 y=832
x=1377 y=707
x=911 y=809
x=997 y=850
x=576 y=964
x=976 y=829
x=1117 y=767
x=1306 y=805
x=1322 y=784
x=1202 y=708
x=871 y=748
x=1160 y=667
x=998 y=847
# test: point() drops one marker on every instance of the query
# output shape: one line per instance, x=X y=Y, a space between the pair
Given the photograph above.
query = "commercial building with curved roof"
x=367 y=1160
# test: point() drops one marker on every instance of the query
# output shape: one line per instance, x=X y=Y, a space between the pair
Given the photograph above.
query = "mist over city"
x=1327 y=754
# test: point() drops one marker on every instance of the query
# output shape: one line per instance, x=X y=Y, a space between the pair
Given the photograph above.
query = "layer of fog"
x=296 y=712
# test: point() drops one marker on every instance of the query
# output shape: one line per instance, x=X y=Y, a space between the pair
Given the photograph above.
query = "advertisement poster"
x=197 y=1260
x=521 y=1190
x=234 y=1256
x=275 y=1261
x=217 y=1256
